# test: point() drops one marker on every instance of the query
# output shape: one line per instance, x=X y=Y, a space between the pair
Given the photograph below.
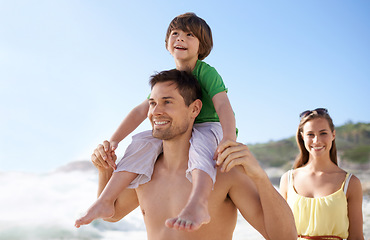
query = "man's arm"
x=253 y=194
x=127 y=200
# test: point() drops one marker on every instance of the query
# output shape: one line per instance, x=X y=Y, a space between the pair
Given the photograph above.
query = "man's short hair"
x=187 y=84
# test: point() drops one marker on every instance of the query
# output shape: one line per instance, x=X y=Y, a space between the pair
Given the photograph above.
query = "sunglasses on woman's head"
x=320 y=111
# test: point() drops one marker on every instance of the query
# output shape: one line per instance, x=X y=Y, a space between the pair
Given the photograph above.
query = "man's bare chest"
x=164 y=196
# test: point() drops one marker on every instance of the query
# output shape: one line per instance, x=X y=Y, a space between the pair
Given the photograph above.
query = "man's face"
x=168 y=113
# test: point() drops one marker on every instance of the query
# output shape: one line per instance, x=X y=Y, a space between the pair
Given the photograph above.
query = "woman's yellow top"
x=320 y=216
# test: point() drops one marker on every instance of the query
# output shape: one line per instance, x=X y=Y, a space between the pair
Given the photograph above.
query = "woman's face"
x=318 y=137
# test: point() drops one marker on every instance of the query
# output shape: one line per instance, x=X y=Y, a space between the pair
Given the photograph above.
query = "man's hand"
x=104 y=156
x=232 y=153
x=220 y=146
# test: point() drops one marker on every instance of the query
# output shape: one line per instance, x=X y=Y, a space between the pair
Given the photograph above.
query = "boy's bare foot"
x=98 y=210
x=191 y=218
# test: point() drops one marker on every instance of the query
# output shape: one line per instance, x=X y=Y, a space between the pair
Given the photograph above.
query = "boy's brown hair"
x=190 y=22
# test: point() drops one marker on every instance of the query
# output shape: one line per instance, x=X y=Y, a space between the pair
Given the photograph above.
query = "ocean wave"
x=45 y=207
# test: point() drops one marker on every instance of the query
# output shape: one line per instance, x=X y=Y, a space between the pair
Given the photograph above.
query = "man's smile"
x=160 y=122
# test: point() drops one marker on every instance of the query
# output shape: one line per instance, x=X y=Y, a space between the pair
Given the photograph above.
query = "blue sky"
x=71 y=70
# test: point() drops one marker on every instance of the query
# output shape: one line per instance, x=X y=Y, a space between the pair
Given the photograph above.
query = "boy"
x=189 y=40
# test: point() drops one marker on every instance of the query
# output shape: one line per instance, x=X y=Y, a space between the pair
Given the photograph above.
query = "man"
x=241 y=182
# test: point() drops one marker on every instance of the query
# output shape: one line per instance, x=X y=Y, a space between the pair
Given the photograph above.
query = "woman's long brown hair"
x=303 y=155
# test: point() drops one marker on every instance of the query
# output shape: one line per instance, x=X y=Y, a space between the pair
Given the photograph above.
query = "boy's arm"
x=226 y=115
x=130 y=123
x=253 y=194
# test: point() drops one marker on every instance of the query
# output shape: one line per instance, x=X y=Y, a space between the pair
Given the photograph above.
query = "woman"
x=326 y=200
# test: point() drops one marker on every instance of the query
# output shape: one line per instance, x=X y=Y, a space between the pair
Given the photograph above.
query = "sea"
x=45 y=207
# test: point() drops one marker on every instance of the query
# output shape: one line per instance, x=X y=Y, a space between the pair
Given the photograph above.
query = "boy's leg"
x=195 y=213
x=202 y=173
x=135 y=168
x=104 y=205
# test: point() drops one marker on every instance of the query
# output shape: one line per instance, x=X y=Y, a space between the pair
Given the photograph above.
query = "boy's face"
x=183 y=46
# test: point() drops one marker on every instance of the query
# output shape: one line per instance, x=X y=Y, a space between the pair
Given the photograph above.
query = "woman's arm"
x=284 y=185
x=354 y=199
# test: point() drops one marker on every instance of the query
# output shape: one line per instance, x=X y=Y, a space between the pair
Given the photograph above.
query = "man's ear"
x=196 y=106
